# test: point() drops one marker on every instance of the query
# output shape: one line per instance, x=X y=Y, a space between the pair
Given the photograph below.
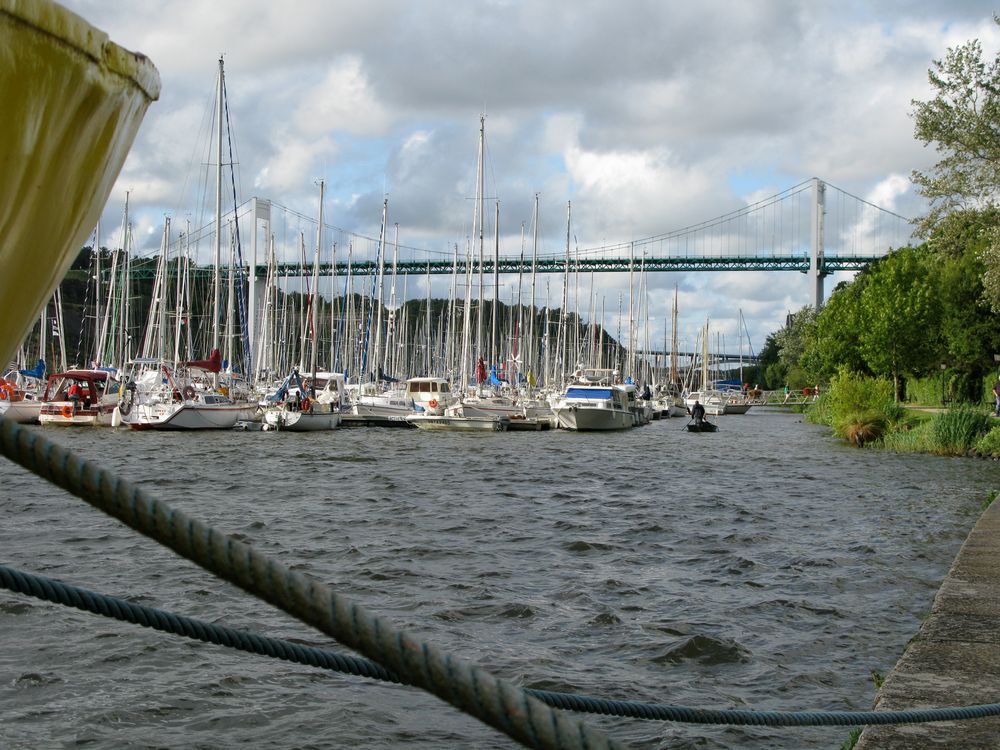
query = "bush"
x=989 y=444
x=854 y=399
x=955 y=431
x=859 y=429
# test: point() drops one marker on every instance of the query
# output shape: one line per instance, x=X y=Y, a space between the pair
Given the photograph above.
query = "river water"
x=764 y=566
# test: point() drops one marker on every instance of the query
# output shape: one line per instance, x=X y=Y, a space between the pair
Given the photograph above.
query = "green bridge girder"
x=829 y=264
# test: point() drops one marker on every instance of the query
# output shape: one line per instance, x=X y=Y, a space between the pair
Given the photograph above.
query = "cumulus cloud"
x=648 y=116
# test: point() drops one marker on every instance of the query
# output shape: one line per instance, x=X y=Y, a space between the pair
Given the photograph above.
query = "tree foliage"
x=963 y=121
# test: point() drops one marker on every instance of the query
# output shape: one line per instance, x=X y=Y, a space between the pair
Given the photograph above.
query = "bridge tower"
x=816 y=257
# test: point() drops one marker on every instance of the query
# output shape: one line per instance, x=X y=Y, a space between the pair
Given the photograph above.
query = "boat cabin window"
x=588 y=393
x=444 y=388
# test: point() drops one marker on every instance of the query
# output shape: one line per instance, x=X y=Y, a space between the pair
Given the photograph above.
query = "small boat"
x=703 y=427
x=456 y=423
x=79 y=397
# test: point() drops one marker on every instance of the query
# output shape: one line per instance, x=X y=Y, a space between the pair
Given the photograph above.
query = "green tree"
x=791 y=342
x=963 y=121
x=900 y=310
x=836 y=343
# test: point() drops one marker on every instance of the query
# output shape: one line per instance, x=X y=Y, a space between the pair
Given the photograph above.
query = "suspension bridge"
x=812 y=228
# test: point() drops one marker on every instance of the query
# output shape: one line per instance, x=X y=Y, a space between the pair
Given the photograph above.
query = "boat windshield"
x=588 y=393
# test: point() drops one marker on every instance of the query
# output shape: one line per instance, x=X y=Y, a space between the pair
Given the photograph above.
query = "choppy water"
x=764 y=566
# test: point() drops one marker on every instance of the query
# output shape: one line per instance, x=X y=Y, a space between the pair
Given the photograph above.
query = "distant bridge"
x=812 y=228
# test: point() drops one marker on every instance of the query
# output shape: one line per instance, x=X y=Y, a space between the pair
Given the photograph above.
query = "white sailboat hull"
x=298 y=421
x=188 y=416
x=24 y=411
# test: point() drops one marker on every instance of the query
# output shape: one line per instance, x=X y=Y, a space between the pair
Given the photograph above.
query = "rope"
x=56 y=591
x=496 y=702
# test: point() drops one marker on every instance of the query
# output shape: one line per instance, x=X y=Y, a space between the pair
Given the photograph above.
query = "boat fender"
x=189 y=392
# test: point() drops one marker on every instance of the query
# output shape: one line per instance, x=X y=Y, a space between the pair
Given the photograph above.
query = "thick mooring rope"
x=495 y=701
x=52 y=590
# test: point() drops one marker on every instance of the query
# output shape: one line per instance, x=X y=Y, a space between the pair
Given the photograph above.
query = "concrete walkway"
x=954 y=660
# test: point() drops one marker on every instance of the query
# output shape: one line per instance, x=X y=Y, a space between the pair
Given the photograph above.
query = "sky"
x=648 y=116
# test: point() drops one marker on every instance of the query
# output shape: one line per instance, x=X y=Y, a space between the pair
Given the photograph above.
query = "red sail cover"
x=212 y=364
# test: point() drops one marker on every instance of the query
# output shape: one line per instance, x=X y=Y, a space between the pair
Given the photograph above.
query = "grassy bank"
x=861 y=410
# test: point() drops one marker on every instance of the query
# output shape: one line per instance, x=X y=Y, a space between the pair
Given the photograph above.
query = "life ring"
x=432 y=403
x=67 y=412
x=189 y=392
x=6 y=390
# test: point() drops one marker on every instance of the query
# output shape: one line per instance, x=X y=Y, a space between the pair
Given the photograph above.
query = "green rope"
x=495 y=701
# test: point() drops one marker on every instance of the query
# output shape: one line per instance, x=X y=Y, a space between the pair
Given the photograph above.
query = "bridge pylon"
x=816 y=256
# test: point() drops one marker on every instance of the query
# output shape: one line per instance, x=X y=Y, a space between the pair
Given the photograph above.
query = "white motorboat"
x=458 y=423
x=593 y=401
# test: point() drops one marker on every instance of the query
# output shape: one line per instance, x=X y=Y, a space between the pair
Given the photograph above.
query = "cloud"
x=648 y=116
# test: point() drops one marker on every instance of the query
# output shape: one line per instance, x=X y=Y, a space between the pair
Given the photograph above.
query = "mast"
x=530 y=353
x=97 y=294
x=217 y=279
x=564 y=316
x=392 y=332
x=478 y=219
x=315 y=289
x=674 y=373
x=494 y=352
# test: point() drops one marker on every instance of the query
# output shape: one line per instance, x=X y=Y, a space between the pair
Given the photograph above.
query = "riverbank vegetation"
x=919 y=326
x=863 y=411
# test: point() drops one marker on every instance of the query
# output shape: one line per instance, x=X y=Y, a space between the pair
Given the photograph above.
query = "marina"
x=516 y=563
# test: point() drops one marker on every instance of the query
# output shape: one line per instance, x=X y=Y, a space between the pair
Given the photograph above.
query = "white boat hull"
x=188 y=416
x=459 y=424
x=24 y=411
x=587 y=418
x=297 y=421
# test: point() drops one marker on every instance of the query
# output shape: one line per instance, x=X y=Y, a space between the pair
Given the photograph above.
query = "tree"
x=963 y=120
x=785 y=348
x=900 y=308
x=835 y=344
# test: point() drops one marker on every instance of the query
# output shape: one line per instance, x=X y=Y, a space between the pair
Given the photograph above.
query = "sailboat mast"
x=217 y=278
x=530 y=352
x=480 y=199
x=315 y=286
x=97 y=294
x=564 y=317
x=674 y=373
x=494 y=351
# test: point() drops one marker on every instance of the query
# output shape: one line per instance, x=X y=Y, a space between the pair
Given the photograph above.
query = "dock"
x=954 y=660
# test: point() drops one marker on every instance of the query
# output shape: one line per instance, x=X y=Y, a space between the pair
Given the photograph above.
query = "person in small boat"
x=698 y=413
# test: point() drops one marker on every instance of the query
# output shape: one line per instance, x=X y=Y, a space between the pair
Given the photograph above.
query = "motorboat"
x=594 y=401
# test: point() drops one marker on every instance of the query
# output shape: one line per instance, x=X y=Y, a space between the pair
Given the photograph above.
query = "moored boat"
x=80 y=398
x=594 y=402
x=457 y=423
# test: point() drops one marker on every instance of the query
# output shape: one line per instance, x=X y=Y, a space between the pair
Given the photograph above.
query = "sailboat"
x=192 y=395
x=315 y=405
x=485 y=411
